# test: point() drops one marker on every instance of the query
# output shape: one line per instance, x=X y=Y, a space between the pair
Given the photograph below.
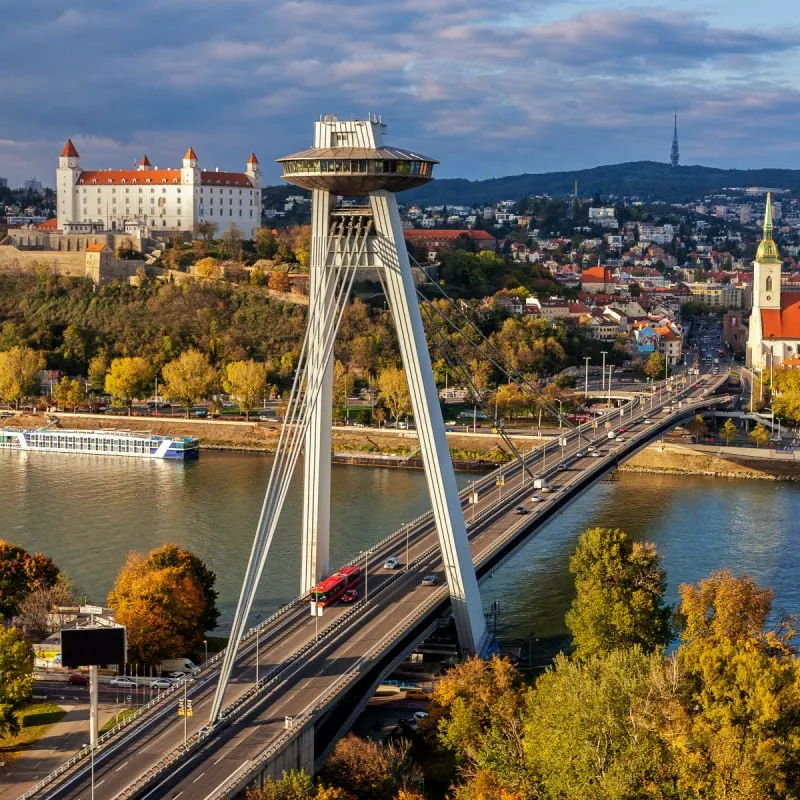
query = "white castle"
x=148 y=199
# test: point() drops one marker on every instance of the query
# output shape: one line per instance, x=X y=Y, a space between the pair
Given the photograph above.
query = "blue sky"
x=489 y=89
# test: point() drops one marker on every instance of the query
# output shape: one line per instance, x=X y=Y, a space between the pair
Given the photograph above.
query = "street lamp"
x=586 y=379
x=205 y=645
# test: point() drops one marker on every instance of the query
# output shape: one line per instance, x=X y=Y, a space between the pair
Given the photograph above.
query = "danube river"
x=89 y=512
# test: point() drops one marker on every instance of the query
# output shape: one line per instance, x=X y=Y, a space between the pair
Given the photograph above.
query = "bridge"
x=299 y=682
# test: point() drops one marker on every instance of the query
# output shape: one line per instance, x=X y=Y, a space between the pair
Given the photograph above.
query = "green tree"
x=170 y=555
x=619 y=599
x=16 y=676
x=22 y=573
x=293 y=785
x=655 y=367
x=393 y=390
x=246 y=381
x=98 y=367
x=343 y=383
x=266 y=243
x=729 y=430
x=189 y=378
x=18 y=369
x=127 y=379
x=759 y=435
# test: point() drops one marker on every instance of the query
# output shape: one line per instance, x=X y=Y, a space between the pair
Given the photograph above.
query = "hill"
x=648 y=180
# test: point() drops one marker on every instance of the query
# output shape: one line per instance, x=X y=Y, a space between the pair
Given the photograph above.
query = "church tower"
x=766 y=287
x=253 y=171
x=675 y=153
x=69 y=169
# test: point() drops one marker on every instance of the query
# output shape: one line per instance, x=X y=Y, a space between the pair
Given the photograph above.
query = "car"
x=420 y=715
x=78 y=679
x=161 y=683
x=123 y=680
x=200 y=412
x=391 y=563
x=580 y=454
x=546 y=490
x=350 y=596
x=620 y=439
x=597 y=454
x=591 y=448
x=536 y=499
x=520 y=510
x=647 y=421
x=177 y=676
x=623 y=429
x=430 y=580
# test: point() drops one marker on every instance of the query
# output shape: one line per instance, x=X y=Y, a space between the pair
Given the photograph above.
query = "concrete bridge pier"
x=298 y=753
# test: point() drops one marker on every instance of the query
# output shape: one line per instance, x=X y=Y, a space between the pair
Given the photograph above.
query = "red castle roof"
x=69 y=150
x=190 y=153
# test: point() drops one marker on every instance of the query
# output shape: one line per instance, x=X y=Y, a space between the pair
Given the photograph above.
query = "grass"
x=34 y=720
x=116 y=719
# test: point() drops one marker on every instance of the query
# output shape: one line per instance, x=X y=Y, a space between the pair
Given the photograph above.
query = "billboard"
x=646 y=340
x=93 y=646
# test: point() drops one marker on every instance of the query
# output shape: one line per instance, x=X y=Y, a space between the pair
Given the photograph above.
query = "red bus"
x=329 y=590
x=352 y=574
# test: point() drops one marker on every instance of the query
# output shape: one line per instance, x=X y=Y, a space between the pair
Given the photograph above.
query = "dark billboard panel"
x=95 y=646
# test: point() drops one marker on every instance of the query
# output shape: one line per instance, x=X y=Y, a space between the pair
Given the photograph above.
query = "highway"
x=297 y=673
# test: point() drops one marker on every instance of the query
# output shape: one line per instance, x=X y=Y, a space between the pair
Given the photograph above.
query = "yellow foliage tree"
x=18 y=368
x=127 y=379
x=189 y=378
x=393 y=390
x=246 y=381
x=209 y=268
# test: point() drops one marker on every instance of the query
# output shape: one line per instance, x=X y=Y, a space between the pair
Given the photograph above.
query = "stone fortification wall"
x=74 y=242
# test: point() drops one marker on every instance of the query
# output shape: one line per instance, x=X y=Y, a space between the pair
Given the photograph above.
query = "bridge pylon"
x=350 y=159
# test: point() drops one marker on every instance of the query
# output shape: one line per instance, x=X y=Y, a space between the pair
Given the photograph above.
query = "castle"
x=147 y=199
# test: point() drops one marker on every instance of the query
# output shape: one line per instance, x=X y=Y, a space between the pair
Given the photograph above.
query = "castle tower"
x=253 y=170
x=766 y=288
x=144 y=164
x=675 y=154
x=67 y=174
x=190 y=171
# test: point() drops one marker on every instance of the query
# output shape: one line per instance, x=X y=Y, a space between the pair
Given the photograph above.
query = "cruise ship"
x=108 y=443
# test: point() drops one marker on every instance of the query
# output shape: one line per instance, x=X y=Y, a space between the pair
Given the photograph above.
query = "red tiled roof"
x=598 y=274
x=48 y=226
x=190 y=153
x=97 y=247
x=69 y=149
x=145 y=162
x=115 y=177
x=426 y=234
x=214 y=178
x=252 y=159
x=791 y=363
x=783 y=323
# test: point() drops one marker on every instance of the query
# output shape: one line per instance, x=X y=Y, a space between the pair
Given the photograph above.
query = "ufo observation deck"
x=357 y=171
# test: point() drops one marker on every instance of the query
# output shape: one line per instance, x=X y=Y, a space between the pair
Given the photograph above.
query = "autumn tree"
x=655 y=367
x=343 y=382
x=18 y=369
x=189 y=378
x=759 y=435
x=37 y=614
x=510 y=401
x=98 y=367
x=209 y=268
x=729 y=430
x=127 y=379
x=162 y=608
x=170 y=555
x=69 y=393
x=293 y=785
x=246 y=381
x=266 y=243
x=368 y=770
x=22 y=573
x=279 y=281
x=393 y=389
x=16 y=677
x=741 y=738
x=619 y=601
x=231 y=242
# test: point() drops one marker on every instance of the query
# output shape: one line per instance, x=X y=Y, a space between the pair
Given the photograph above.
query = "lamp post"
x=205 y=645
x=560 y=404
x=408 y=528
x=603 y=372
x=586 y=379
x=610 y=370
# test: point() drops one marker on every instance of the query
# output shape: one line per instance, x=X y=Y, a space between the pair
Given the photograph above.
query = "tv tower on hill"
x=675 y=155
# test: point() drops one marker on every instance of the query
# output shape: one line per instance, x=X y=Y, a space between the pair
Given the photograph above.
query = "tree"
x=619 y=599
x=127 y=379
x=293 y=785
x=69 y=393
x=36 y=611
x=266 y=243
x=189 y=378
x=206 y=230
x=510 y=401
x=592 y=728
x=246 y=381
x=729 y=430
x=18 y=368
x=343 y=382
x=22 y=573
x=209 y=268
x=759 y=435
x=231 y=242
x=98 y=367
x=393 y=390
x=162 y=608
x=739 y=738
x=655 y=367
x=16 y=676
x=279 y=281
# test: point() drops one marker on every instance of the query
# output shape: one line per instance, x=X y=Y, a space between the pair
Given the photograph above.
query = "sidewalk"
x=60 y=742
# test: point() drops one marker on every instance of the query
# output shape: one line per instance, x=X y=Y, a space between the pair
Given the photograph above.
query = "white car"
x=161 y=683
x=420 y=715
x=122 y=680
x=580 y=454
x=647 y=421
x=597 y=454
x=591 y=448
x=391 y=563
x=536 y=499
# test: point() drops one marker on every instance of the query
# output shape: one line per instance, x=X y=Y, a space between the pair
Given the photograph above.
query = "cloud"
x=490 y=88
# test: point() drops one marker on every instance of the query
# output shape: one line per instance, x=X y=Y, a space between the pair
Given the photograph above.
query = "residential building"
x=716 y=295
x=150 y=199
x=435 y=239
x=597 y=280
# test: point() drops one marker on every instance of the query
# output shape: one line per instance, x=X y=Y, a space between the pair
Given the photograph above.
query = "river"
x=88 y=513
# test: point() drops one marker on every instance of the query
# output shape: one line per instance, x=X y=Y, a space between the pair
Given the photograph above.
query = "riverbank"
x=668 y=458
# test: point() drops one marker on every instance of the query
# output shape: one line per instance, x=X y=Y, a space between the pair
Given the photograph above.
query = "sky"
x=487 y=88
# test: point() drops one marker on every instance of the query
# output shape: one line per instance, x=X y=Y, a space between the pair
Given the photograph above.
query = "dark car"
x=520 y=510
x=350 y=596
x=77 y=679
x=430 y=580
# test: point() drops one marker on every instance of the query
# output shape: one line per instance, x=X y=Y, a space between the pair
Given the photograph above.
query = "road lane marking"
x=121 y=766
x=199 y=776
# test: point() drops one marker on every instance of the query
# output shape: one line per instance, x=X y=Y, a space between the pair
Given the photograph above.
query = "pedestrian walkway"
x=60 y=742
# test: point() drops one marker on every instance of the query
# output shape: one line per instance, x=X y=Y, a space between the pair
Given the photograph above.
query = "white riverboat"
x=108 y=443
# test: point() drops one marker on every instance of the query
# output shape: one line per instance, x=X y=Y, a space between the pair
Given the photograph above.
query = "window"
x=769 y=283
